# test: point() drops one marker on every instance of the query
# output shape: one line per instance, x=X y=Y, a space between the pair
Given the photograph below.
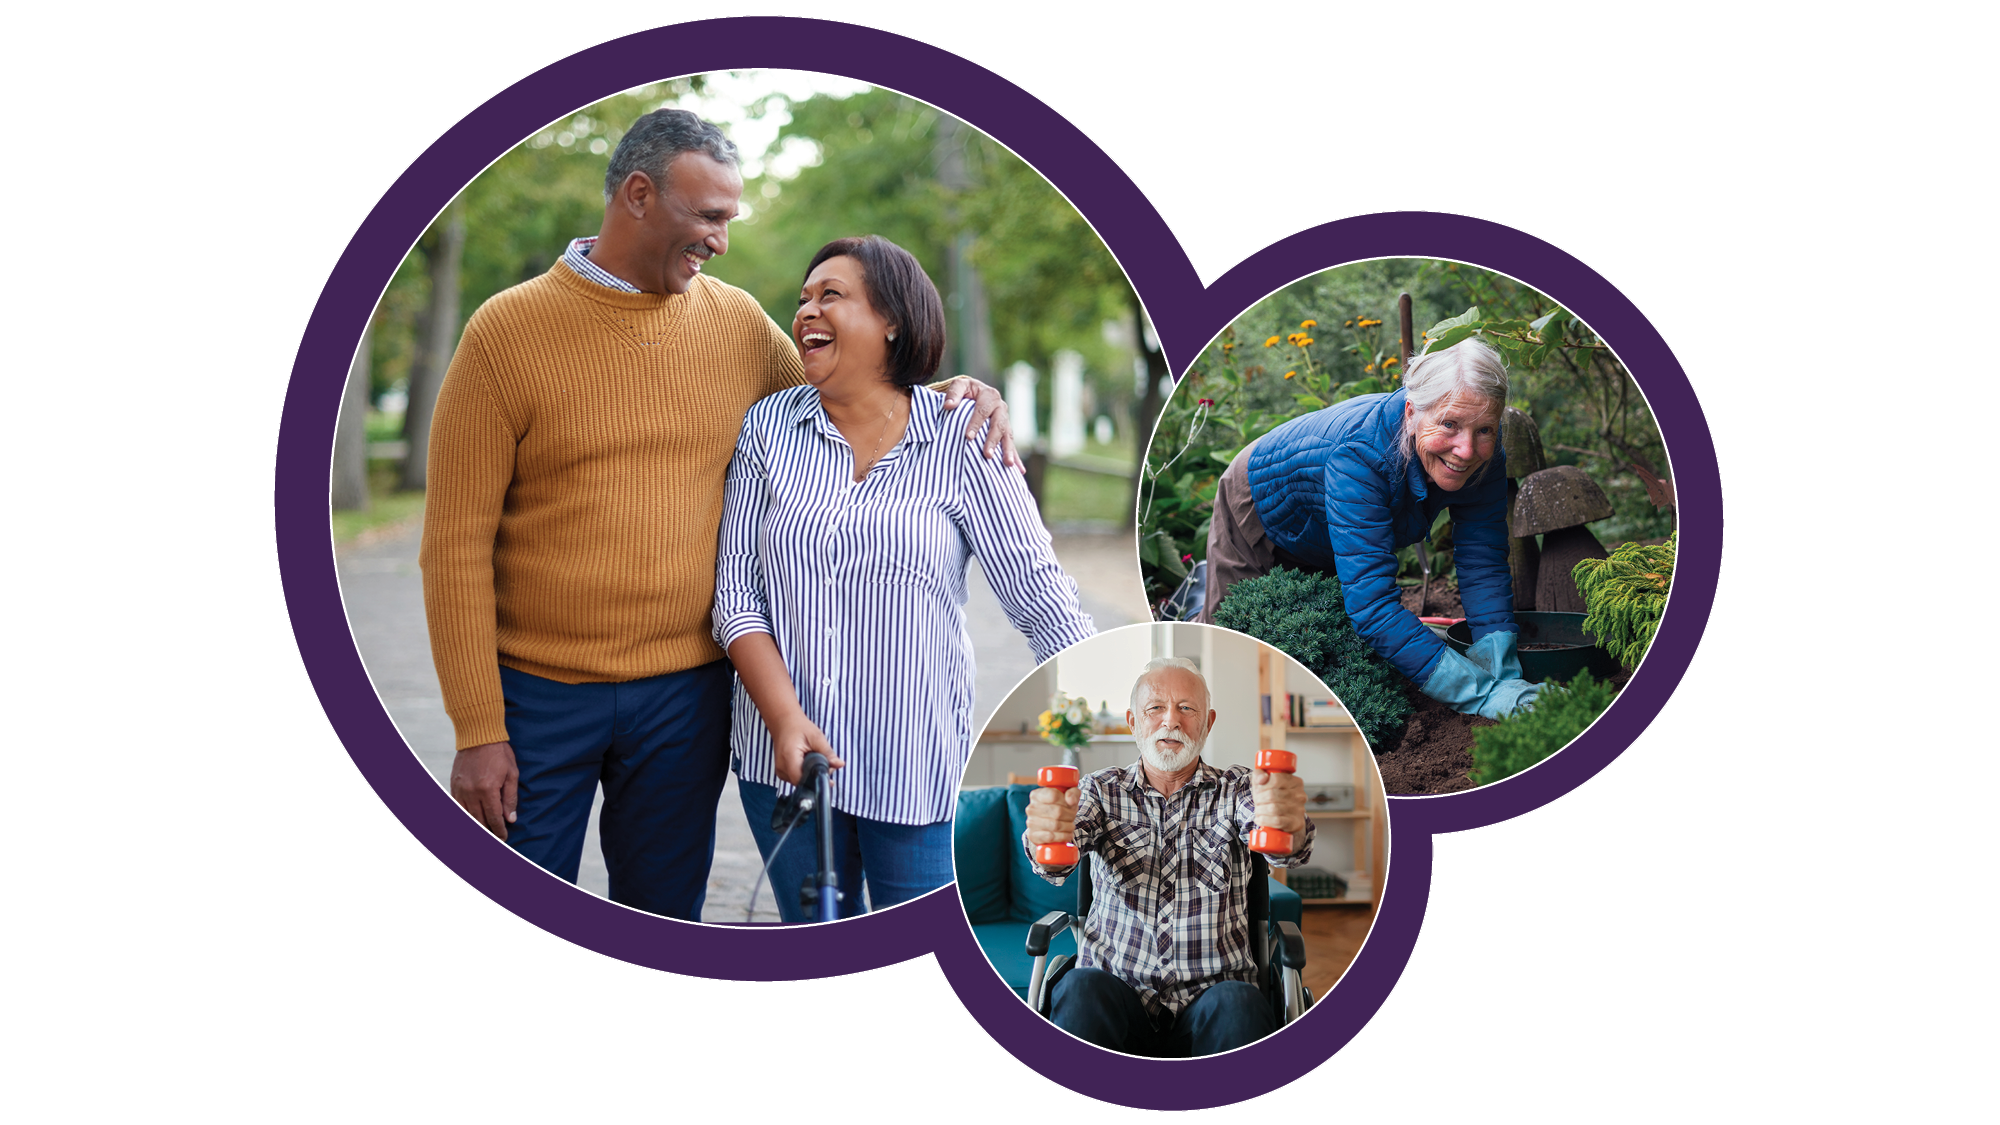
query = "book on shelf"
x=1325 y=713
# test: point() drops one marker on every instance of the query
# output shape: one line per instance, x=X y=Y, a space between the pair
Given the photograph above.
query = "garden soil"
x=1435 y=752
x=1444 y=600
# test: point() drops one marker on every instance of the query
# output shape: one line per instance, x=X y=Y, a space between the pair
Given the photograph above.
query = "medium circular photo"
x=1170 y=841
x=1438 y=489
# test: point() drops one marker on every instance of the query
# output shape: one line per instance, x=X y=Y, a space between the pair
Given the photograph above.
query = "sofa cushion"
x=979 y=846
x=1031 y=896
x=1006 y=945
x=1286 y=905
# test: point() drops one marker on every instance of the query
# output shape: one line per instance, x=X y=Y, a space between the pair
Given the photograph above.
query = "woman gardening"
x=1340 y=489
x=848 y=523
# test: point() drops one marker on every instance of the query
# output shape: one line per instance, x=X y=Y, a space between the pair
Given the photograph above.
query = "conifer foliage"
x=1302 y=615
x=1559 y=714
x=1624 y=595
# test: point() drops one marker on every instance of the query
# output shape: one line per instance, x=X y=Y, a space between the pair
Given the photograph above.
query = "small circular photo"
x=1170 y=840
x=1438 y=489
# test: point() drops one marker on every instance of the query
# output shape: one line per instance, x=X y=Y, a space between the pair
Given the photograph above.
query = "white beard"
x=1165 y=762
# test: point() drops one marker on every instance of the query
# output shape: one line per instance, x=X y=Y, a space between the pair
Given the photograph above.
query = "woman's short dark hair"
x=900 y=290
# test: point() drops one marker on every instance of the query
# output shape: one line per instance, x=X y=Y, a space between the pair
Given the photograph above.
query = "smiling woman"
x=1340 y=489
x=850 y=517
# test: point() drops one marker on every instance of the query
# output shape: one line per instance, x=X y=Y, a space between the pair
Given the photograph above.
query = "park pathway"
x=383 y=591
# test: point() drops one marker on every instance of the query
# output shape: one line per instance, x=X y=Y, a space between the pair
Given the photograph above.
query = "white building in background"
x=1066 y=413
x=1020 y=394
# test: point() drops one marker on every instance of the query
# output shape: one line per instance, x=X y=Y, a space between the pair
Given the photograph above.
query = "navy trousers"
x=1097 y=1007
x=660 y=748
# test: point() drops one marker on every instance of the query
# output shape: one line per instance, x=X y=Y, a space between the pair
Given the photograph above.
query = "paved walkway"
x=383 y=590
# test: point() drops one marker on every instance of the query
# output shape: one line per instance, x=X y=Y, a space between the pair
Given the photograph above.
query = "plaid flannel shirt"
x=1170 y=879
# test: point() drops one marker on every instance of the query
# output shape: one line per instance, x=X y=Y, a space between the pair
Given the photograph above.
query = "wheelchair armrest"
x=1291 y=949
x=1052 y=923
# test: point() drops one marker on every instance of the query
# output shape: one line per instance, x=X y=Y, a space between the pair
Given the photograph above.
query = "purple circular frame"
x=1184 y=314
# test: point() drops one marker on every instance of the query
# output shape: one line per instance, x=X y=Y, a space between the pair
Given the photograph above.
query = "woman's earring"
x=892 y=335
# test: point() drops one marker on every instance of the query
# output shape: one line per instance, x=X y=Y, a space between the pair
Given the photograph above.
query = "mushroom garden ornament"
x=1555 y=504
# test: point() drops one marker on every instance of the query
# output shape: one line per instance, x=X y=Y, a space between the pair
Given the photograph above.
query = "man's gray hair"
x=655 y=139
x=1469 y=367
x=1161 y=663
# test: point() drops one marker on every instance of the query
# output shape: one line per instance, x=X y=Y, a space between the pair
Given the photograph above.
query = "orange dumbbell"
x=1274 y=841
x=1056 y=855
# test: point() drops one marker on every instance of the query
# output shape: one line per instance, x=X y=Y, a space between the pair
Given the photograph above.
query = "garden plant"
x=1624 y=596
x=1560 y=713
x=1302 y=614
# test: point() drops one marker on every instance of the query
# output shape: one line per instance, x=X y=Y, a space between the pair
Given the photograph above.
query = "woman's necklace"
x=888 y=419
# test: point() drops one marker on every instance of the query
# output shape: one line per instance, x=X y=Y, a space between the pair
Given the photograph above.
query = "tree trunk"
x=1146 y=412
x=441 y=328
x=350 y=434
x=1524 y=556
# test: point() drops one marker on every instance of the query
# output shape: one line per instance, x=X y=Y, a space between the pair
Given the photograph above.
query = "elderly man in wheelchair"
x=1169 y=964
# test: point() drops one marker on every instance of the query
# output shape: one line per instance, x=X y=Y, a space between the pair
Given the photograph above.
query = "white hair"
x=1161 y=663
x=1470 y=367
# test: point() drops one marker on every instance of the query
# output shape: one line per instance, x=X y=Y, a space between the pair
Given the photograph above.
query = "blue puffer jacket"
x=1329 y=491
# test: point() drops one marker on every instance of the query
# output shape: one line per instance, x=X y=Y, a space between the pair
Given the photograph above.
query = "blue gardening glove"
x=1472 y=690
x=1496 y=655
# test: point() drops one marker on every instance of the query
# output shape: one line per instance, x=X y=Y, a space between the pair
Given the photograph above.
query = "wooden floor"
x=1333 y=936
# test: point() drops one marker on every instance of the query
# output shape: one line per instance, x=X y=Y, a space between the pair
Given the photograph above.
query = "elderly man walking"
x=577 y=457
x=1165 y=966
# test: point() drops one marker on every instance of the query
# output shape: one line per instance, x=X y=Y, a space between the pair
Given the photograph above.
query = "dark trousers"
x=1097 y=1007
x=660 y=748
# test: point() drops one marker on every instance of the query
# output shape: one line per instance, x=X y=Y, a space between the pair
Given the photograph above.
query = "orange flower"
x=1391 y=361
x=1368 y=368
x=1272 y=342
x=1289 y=374
x=1309 y=324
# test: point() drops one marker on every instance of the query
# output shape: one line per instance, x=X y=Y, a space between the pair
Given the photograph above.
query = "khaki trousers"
x=1237 y=546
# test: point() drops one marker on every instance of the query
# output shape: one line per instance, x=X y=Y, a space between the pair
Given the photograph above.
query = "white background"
x=1775 y=904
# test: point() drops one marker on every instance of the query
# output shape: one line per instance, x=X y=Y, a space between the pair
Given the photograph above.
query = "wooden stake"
x=1409 y=330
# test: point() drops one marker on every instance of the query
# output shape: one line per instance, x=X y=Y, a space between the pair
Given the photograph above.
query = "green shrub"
x=1624 y=595
x=1560 y=713
x=1302 y=615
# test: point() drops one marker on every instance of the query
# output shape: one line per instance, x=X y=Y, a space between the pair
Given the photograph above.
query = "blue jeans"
x=660 y=748
x=1097 y=1007
x=899 y=861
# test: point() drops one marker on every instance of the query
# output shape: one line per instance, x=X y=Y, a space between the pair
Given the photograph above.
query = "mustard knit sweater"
x=577 y=458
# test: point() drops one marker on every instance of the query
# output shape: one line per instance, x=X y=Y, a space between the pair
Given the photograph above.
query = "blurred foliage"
x=520 y=213
x=1625 y=595
x=861 y=164
x=1303 y=616
x=1334 y=335
x=1049 y=282
x=1560 y=713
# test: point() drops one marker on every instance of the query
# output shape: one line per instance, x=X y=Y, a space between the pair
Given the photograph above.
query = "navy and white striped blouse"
x=862 y=586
